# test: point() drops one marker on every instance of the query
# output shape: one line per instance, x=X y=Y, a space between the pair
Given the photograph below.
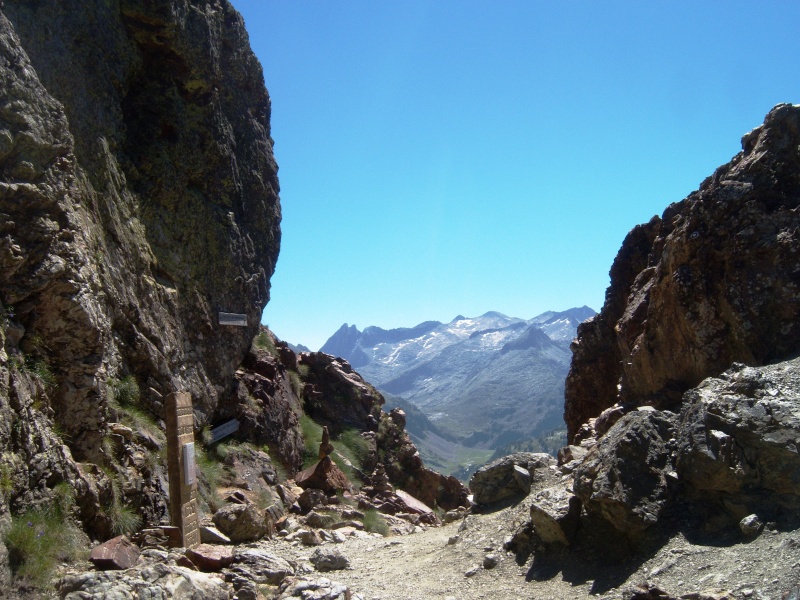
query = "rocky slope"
x=484 y=381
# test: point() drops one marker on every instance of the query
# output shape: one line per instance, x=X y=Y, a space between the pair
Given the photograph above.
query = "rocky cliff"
x=138 y=199
x=681 y=401
x=714 y=280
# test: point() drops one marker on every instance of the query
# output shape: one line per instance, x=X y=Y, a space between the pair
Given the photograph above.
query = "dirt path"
x=432 y=566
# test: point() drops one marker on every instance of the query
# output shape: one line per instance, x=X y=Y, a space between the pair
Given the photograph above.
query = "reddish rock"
x=117 y=553
x=411 y=504
x=210 y=558
x=325 y=476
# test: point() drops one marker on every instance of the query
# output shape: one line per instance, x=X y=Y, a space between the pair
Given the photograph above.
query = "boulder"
x=623 y=479
x=505 y=477
x=208 y=557
x=309 y=537
x=737 y=438
x=327 y=559
x=555 y=515
x=242 y=522
x=254 y=564
x=212 y=535
x=319 y=520
x=311 y=498
x=117 y=553
x=319 y=589
x=412 y=505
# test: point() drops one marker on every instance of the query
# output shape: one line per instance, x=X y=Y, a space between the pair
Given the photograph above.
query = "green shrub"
x=264 y=341
x=355 y=447
x=297 y=384
x=375 y=523
x=212 y=472
x=40 y=539
x=124 y=519
x=123 y=392
x=312 y=437
x=41 y=370
x=6 y=481
x=123 y=398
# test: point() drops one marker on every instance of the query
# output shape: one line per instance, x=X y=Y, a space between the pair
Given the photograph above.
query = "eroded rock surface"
x=713 y=281
x=138 y=199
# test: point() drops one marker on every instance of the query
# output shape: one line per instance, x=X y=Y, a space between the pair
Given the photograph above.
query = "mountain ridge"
x=484 y=381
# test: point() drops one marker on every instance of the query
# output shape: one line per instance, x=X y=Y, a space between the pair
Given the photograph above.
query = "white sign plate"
x=188 y=463
x=232 y=319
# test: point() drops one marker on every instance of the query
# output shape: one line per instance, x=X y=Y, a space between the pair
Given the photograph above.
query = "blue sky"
x=448 y=157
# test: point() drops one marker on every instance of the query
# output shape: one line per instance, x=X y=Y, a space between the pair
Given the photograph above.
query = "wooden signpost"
x=181 y=467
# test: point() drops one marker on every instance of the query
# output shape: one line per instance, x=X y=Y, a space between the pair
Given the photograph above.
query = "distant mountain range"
x=483 y=382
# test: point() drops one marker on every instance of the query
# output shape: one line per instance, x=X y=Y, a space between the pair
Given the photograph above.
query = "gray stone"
x=212 y=535
x=555 y=515
x=319 y=520
x=751 y=526
x=623 y=477
x=738 y=436
x=241 y=522
x=260 y=566
x=148 y=581
x=325 y=559
x=316 y=589
x=490 y=561
x=503 y=478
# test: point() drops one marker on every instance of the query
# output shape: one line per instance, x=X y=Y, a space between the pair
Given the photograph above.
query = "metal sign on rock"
x=232 y=319
x=224 y=430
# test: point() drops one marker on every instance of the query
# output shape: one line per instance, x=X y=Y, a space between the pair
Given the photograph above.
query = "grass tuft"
x=40 y=539
x=375 y=523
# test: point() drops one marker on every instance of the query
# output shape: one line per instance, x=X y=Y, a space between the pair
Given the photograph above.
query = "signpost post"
x=181 y=467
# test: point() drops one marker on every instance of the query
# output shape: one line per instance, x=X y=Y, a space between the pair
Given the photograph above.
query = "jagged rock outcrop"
x=623 y=479
x=711 y=286
x=338 y=397
x=715 y=280
x=266 y=404
x=138 y=199
x=405 y=469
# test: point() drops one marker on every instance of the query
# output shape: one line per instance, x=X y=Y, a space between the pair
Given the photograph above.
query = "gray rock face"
x=738 y=436
x=623 y=478
x=502 y=478
x=150 y=581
